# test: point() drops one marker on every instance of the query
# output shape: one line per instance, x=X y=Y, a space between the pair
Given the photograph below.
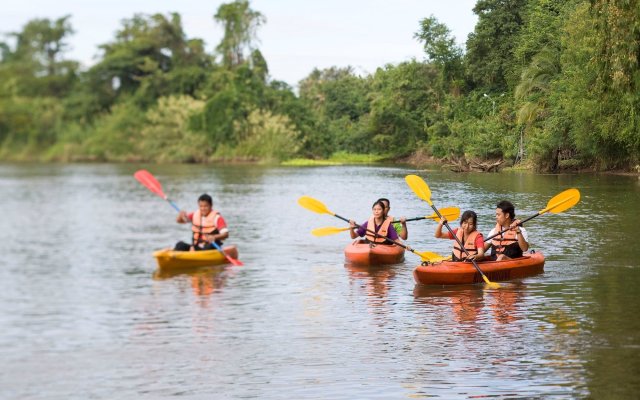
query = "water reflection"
x=471 y=303
x=310 y=326
x=204 y=281
x=376 y=278
x=376 y=282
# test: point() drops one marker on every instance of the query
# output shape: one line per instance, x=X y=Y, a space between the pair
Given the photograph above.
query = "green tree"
x=489 y=57
x=405 y=101
x=267 y=137
x=240 y=25
x=338 y=100
x=442 y=50
x=166 y=136
x=36 y=66
x=150 y=57
x=534 y=93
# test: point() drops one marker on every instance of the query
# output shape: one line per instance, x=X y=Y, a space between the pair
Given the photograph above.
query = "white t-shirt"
x=523 y=232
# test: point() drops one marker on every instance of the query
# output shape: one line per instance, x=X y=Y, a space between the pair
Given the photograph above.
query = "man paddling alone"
x=207 y=226
x=513 y=242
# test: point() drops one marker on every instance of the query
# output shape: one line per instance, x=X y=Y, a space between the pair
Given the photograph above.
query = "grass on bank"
x=338 y=158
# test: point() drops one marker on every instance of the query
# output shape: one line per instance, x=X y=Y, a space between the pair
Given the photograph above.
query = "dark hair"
x=381 y=204
x=384 y=200
x=207 y=198
x=507 y=207
x=469 y=214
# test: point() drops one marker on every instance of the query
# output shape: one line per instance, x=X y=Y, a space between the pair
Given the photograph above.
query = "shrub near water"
x=166 y=137
x=265 y=136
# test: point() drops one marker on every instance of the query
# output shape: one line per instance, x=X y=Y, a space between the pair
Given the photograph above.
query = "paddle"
x=425 y=255
x=150 y=182
x=421 y=189
x=450 y=213
x=328 y=230
x=559 y=203
x=317 y=206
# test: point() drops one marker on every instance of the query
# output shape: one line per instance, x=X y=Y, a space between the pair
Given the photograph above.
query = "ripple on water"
x=84 y=316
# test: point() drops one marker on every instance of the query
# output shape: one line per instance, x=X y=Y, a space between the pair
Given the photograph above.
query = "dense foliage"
x=551 y=83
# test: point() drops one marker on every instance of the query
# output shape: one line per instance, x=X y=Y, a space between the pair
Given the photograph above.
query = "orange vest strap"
x=203 y=224
x=384 y=229
x=500 y=242
x=469 y=244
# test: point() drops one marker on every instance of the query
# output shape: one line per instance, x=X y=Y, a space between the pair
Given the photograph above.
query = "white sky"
x=298 y=35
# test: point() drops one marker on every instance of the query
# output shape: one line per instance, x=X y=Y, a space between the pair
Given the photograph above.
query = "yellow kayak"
x=170 y=259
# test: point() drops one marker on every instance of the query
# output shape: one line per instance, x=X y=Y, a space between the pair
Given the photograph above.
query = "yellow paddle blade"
x=430 y=256
x=326 y=231
x=562 y=201
x=450 y=213
x=314 y=205
x=419 y=187
x=490 y=285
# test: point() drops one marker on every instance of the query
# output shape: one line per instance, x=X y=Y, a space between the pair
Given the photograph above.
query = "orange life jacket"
x=506 y=244
x=201 y=224
x=469 y=244
x=384 y=228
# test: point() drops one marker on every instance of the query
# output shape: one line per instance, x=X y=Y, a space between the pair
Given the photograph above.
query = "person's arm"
x=403 y=233
x=223 y=231
x=439 y=234
x=354 y=230
x=479 y=243
x=488 y=245
x=521 y=237
x=218 y=236
x=521 y=234
x=183 y=217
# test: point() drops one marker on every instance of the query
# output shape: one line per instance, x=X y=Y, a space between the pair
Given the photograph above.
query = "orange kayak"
x=459 y=273
x=361 y=252
x=170 y=259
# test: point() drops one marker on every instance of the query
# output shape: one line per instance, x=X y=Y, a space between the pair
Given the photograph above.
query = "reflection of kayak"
x=168 y=258
x=361 y=252
x=457 y=273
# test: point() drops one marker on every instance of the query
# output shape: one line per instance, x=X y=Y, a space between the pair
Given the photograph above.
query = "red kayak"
x=459 y=273
x=364 y=253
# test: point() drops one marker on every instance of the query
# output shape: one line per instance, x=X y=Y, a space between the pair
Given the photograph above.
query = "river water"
x=83 y=315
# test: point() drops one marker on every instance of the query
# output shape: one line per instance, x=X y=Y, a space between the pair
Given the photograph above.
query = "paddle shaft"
x=451 y=211
x=385 y=237
x=410 y=219
x=174 y=205
x=228 y=257
x=460 y=244
x=558 y=203
x=505 y=230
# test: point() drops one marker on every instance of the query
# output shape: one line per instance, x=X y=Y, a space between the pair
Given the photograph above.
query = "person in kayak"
x=401 y=225
x=378 y=223
x=513 y=242
x=467 y=234
x=207 y=226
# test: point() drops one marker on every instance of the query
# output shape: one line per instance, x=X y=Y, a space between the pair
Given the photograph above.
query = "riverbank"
x=417 y=159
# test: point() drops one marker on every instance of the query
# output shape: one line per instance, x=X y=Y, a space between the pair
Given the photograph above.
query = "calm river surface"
x=83 y=316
